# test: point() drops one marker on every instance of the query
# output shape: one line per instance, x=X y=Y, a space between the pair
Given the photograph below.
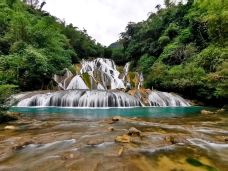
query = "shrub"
x=210 y=58
x=164 y=40
x=146 y=62
x=6 y=91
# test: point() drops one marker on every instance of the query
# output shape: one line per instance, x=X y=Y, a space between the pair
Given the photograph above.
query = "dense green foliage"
x=35 y=45
x=5 y=92
x=182 y=48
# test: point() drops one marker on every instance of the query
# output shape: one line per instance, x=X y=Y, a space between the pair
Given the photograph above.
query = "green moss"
x=132 y=76
x=86 y=79
x=197 y=163
x=120 y=69
x=72 y=69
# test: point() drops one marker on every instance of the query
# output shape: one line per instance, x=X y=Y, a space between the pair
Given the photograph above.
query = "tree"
x=34 y=45
x=32 y=3
x=168 y=3
x=158 y=7
x=42 y=5
x=187 y=42
x=37 y=4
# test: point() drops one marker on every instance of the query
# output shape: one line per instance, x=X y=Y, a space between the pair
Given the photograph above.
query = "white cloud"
x=103 y=19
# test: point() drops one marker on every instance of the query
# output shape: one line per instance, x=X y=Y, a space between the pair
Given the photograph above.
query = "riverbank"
x=72 y=142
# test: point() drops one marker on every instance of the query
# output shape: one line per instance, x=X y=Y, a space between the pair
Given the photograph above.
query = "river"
x=171 y=139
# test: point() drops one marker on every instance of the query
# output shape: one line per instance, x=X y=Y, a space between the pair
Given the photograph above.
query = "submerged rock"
x=68 y=156
x=206 y=112
x=116 y=118
x=22 y=145
x=10 y=127
x=174 y=139
x=123 y=139
x=226 y=140
x=111 y=129
x=133 y=131
x=94 y=142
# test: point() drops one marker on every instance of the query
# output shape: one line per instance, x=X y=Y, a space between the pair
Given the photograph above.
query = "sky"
x=104 y=20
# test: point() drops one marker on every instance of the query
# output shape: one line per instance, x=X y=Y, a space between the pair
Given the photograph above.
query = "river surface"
x=171 y=139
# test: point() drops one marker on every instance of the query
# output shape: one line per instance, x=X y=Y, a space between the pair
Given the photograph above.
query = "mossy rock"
x=78 y=68
x=131 y=75
x=86 y=79
x=72 y=69
x=133 y=78
x=120 y=69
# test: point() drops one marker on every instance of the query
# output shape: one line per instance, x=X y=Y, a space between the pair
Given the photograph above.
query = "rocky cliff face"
x=99 y=74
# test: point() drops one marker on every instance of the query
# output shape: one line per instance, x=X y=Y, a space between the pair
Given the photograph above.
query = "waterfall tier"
x=100 y=98
x=81 y=98
x=157 y=98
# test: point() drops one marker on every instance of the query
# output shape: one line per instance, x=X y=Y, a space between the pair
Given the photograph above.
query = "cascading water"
x=126 y=70
x=100 y=98
x=77 y=83
x=81 y=98
x=109 y=76
x=157 y=98
x=141 y=79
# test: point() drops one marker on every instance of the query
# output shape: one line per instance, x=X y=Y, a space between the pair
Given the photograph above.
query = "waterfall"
x=101 y=98
x=77 y=83
x=126 y=70
x=100 y=87
x=157 y=98
x=102 y=78
x=108 y=74
x=81 y=98
x=141 y=80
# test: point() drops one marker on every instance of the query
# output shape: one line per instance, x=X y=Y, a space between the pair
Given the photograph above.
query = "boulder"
x=133 y=131
x=123 y=139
